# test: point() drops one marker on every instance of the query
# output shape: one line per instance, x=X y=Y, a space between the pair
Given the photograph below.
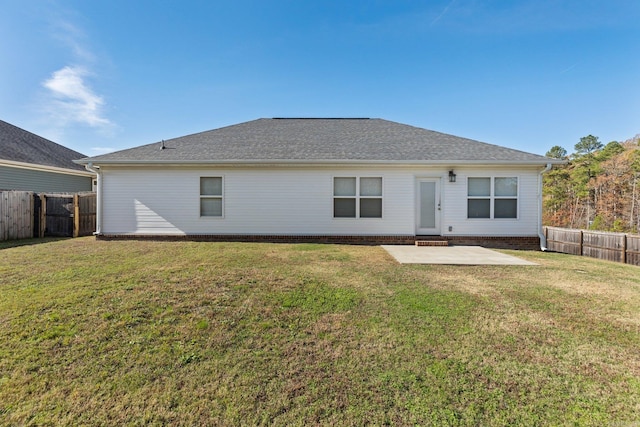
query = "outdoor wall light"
x=452 y=176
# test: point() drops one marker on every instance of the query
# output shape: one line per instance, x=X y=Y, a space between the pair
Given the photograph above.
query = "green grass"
x=184 y=333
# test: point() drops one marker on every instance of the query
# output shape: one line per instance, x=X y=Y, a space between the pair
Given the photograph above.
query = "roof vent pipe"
x=162 y=145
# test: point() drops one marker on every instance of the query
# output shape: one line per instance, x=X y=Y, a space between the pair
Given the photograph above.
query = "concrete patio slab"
x=452 y=255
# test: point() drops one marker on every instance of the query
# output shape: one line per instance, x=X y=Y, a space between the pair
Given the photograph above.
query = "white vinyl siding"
x=297 y=201
x=455 y=201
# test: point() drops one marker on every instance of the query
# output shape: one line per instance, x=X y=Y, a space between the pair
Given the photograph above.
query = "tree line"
x=598 y=188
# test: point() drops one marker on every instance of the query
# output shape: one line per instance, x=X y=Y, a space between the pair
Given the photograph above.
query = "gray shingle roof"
x=319 y=140
x=18 y=145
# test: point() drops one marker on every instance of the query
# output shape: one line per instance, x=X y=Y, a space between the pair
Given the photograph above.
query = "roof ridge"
x=321 y=118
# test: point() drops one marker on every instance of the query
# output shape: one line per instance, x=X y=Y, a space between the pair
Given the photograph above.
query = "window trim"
x=221 y=197
x=492 y=197
x=357 y=197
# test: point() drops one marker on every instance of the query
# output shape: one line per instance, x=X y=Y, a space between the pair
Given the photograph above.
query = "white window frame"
x=357 y=197
x=492 y=197
x=220 y=197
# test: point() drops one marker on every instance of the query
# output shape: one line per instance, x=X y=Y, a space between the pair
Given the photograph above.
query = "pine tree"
x=598 y=187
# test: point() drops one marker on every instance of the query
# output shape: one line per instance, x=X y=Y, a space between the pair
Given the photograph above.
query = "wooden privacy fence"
x=618 y=247
x=16 y=215
x=25 y=214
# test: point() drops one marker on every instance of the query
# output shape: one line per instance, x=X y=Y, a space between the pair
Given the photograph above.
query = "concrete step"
x=432 y=243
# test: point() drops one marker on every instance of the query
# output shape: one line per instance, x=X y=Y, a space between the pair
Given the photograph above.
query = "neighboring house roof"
x=23 y=147
x=319 y=141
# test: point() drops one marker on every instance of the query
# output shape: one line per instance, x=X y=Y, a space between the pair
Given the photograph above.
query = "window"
x=479 y=201
x=492 y=197
x=211 y=196
x=505 y=198
x=357 y=197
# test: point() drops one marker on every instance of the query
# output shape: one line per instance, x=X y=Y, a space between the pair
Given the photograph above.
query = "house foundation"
x=493 y=242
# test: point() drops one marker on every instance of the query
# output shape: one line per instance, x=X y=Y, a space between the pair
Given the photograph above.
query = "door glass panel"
x=427 y=205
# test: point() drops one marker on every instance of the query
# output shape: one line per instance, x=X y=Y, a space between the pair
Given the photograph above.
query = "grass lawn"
x=186 y=333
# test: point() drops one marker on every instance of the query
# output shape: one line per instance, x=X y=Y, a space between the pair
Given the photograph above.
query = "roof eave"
x=319 y=162
x=45 y=168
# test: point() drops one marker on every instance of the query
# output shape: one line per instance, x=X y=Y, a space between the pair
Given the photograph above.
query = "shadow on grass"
x=28 y=242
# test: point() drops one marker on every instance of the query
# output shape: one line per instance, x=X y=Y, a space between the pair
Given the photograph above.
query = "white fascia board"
x=294 y=163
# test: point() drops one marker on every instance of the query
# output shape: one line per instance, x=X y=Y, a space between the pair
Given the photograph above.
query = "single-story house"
x=29 y=162
x=333 y=180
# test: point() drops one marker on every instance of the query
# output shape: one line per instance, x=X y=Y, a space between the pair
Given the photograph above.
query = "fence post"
x=4 y=215
x=624 y=249
x=33 y=208
x=43 y=215
x=76 y=215
x=581 y=243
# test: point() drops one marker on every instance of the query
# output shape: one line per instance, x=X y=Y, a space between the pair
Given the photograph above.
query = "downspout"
x=90 y=168
x=543 y=238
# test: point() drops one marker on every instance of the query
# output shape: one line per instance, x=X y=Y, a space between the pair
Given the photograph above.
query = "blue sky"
x=98 y=75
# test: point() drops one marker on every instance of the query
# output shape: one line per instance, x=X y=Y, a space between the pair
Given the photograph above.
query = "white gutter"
x=300 y=162
x=543 y=238
x=89 y=167
x=33 y=166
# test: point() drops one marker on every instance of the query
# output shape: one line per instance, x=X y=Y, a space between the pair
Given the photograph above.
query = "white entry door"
x=428 y=207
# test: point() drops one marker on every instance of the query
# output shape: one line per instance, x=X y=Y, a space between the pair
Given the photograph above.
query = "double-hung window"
x=211 y=196
x=492 y=197
x=357 y=197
